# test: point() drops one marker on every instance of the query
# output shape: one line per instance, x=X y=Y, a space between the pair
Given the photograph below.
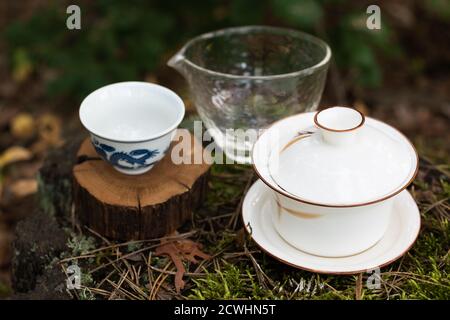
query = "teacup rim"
x=169 y=129
x=242 y=29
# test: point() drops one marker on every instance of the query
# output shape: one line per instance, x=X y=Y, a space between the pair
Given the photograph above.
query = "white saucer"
x=400 y=236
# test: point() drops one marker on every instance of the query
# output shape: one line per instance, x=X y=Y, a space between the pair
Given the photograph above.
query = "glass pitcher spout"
x=178 y=62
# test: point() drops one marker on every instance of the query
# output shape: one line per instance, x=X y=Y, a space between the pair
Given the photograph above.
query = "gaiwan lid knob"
x=343 y=161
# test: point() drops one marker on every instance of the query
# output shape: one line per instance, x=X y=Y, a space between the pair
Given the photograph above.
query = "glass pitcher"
x=248 y=77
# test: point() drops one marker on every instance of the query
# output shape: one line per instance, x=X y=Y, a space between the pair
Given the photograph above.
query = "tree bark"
x=126 y=207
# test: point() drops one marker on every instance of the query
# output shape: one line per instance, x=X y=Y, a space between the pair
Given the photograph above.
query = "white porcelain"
x=132 y=123
x=334 y=178
x=257 y=212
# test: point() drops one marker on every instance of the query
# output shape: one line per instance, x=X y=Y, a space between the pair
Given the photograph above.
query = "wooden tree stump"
x=146 y=206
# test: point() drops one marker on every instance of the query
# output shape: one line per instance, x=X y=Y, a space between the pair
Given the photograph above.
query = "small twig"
x=97 y=290
x=434 y=166
x=123 y=291
x=216 y=217
x=172 y=273
x=234 y=219
x=158 y=282
x=262 y=277
x=98 y=235
x=358 y=287
x=136 y=288
x=231 y=255
x=443 y=262
x=122 y=278
x=149 y=271
x=106 y=278
x=435 y=204
x=122 y=258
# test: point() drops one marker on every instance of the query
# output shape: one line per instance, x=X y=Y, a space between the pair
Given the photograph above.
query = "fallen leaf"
x=14 y=154
x=22 y=126
x=179 y=251
x=23 y=187
x=49 y=128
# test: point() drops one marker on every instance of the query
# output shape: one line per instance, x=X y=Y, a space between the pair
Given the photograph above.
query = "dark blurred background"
x=399 y=73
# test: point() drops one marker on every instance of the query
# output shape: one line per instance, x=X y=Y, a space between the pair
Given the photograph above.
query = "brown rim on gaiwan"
x=341 y=134
x=348 y=176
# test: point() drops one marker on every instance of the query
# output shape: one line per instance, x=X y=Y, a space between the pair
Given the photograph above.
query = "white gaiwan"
x=334 y=181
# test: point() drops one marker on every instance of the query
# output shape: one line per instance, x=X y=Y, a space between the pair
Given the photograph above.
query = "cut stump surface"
x=145 y=206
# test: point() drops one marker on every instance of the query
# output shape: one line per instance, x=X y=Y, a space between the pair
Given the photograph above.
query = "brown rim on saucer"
x=293 y=197
x=332 y=272
x=317 y=123
x=335 y=272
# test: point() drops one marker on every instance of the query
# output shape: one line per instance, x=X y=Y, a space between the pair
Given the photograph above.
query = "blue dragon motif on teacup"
x=126 y=160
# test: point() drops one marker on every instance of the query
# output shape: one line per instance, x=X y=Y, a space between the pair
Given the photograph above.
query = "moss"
x=80 y=244
x=229 y=282
x=5 y=290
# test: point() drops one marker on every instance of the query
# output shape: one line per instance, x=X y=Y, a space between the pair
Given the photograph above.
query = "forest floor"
x=237 y=268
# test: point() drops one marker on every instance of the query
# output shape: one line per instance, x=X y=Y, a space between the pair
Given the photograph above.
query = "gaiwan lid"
x=343 y=161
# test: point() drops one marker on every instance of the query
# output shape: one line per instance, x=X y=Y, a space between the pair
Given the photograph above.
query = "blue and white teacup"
x=132 y=123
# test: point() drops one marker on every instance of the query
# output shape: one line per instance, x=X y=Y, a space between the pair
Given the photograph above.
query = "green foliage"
x=438 y=8
x=122 y=43
x=303 y=14
x=5 y=290
x=123 y=40
x=229 y=283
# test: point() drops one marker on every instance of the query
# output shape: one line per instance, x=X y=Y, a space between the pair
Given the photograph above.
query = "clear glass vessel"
x=249 y=77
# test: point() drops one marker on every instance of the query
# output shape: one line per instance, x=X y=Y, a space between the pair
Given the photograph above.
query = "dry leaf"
x=22 y=126
x=49 y=127
x=23 y=187
x=14 y=154
x=179 y=251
